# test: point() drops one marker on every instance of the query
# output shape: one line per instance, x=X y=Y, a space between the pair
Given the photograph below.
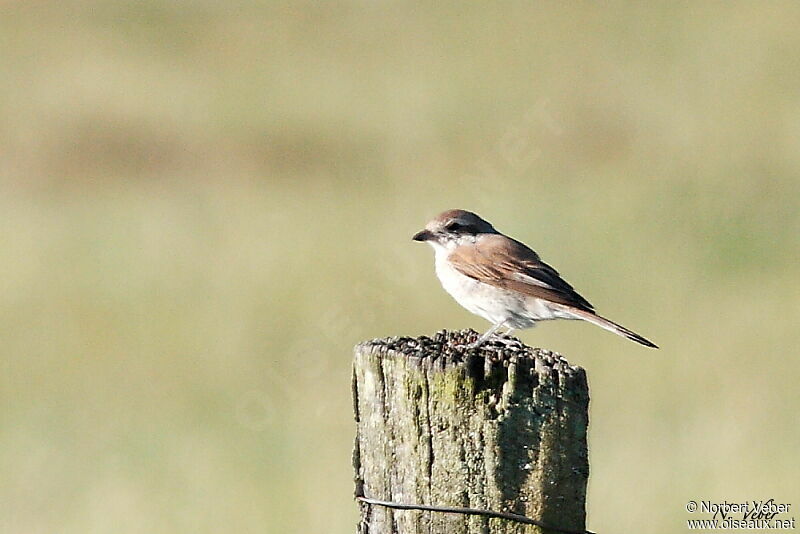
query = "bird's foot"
x=503 y=339
x=494 y=339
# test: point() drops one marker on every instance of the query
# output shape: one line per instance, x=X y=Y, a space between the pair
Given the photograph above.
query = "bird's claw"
x=494 y=339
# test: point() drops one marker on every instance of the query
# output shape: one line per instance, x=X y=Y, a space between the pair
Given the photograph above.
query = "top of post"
x=447 y=349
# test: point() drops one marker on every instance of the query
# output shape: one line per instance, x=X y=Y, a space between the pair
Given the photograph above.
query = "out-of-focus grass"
x=205 y=207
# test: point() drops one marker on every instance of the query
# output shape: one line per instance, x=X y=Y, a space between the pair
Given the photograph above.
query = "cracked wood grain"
x=501 y=428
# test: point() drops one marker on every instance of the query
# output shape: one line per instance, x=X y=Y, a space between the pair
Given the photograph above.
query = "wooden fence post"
x=499 y=429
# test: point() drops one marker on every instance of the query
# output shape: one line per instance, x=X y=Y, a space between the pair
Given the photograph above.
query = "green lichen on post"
x=500 y=428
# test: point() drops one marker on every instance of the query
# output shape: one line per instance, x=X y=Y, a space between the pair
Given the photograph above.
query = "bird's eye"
x=454 y=226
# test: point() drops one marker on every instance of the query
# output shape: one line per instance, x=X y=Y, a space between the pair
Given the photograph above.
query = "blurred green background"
x=205 y=205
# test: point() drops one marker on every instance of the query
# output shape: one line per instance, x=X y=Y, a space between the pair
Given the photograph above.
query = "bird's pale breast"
x=492 y=303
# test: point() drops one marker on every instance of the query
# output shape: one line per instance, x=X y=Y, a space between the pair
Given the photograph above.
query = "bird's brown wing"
x=506 y=263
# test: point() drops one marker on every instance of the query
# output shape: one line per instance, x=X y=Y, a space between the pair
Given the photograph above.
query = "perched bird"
x=502 y=280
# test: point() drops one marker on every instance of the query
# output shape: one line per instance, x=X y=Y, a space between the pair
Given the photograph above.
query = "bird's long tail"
x=611 y=326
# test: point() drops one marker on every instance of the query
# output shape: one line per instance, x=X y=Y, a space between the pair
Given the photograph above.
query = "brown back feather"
x=499 y=261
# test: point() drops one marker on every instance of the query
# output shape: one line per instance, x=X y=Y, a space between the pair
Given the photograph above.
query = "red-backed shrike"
x=502 y=280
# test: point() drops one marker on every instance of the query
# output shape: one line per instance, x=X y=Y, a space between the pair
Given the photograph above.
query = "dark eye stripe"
x=460 y=228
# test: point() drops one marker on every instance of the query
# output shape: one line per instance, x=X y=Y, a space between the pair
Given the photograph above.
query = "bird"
x=503 y=280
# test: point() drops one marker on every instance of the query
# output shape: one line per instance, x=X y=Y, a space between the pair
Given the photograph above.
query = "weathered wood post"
x=500 y=429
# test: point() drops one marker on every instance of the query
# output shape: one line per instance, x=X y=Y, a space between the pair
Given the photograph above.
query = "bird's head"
x=452 y=228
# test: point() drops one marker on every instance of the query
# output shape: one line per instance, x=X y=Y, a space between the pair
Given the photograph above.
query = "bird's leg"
x=506 y=338
x=487 y=335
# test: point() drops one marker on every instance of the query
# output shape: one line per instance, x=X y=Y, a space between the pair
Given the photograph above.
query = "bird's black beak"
x=424 y=235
